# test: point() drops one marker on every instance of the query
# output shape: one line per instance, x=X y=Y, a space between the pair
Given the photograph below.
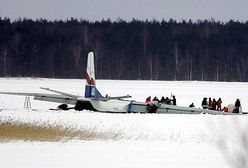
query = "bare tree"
x=145 y=46
x=76 y=48
x=3 y=61
x=176 y=57
x=242 y=68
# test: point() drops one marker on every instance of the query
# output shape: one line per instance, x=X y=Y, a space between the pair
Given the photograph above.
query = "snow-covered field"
x=141 y=140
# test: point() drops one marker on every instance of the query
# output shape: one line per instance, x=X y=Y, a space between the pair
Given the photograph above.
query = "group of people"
x=207 y=103
x=163 y=100
x=211 y=104
x=153 y=104
x=216 y=105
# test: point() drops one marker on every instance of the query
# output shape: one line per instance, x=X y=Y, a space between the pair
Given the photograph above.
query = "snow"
x=146 y=140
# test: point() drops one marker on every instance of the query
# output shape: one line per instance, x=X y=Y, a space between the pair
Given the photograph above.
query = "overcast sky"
x=221 y=10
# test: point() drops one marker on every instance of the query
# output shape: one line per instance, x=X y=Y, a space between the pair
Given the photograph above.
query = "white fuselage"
x=112 y=105
x=125 y=106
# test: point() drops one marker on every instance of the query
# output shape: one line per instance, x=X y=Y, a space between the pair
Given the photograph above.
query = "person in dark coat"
x=204 y=103
x=237 y=106
x=214 y=104
x=155 y=99
x=192 y=105
x=162 y=100
x=167 y=100
x=174 y=100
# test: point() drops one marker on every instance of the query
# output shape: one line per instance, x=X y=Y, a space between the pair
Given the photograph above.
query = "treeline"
x=167 y=50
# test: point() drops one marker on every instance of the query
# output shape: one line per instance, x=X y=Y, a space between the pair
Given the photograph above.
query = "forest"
x=204 y=50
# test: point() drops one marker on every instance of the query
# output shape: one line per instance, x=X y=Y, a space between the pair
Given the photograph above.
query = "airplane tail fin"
x=90 y=87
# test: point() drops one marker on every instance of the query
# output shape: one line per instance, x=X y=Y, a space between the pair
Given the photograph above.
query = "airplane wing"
x=59 y=92
x=47 y=97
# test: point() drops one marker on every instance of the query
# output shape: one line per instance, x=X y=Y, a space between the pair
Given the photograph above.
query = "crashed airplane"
x=93 y=100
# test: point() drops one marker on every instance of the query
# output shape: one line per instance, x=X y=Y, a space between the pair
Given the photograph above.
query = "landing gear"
x=83 y=105
x=63 y=107
x=80 y=105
